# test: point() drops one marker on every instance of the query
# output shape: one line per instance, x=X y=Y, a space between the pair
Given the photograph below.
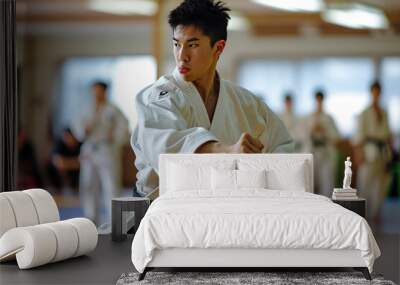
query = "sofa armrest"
x=33 y=246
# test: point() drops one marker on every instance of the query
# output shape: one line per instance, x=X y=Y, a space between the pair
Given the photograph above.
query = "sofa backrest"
x=26 y=208
x=282 y=169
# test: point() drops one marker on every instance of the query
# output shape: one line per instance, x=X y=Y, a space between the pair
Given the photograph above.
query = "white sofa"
x=31 y=231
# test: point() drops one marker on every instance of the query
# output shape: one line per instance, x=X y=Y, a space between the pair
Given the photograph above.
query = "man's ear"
x=220 y=45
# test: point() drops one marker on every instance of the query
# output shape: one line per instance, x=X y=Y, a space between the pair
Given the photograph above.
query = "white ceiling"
x=42 y=14
x=81 y=6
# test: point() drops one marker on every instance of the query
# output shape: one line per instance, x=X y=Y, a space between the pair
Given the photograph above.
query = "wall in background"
x=42 y=51
x=41 y=55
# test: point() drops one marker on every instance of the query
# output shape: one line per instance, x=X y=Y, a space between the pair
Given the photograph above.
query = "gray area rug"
x=231 y=278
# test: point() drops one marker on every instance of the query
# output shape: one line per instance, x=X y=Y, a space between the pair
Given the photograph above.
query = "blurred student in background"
x=374 y=148
x=292 y=122
x=28 y=167
x=106 y=131
x=64 y=166
x=322 y=136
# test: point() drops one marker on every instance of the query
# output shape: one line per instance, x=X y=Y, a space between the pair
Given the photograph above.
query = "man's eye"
x=193 y=45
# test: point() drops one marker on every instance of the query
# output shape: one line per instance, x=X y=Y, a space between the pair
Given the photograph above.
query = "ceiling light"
x=356 y=16
x=293 y=5
x=124 y=7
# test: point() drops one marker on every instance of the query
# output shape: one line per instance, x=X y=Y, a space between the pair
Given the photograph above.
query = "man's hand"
x=245 y=144
x=318 y=129
x=58 y=162
x=89 y=128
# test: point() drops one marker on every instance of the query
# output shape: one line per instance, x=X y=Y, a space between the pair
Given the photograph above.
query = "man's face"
x=320 y=102
x=376 y=94
x=99 y=94
x=194 y=56
x=288 y=104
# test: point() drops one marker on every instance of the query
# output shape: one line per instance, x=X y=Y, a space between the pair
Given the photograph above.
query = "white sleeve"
x=333 y=131
x=162 y=128
x=388 y=131
x=277 y=139
x=121 y=128
x=360 y=132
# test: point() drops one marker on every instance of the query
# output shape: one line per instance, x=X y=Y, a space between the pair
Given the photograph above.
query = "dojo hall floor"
x=110 y=260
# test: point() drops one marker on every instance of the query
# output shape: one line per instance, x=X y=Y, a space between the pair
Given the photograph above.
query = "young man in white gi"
x=292 y=122
x=193 y=110
x=106 y=131
x=374 y=145
x=323 y=136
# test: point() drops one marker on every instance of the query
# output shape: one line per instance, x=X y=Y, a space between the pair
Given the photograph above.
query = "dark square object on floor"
x=127 y=212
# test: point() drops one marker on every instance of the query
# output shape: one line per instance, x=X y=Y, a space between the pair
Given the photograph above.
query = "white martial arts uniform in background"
x=322 y=135
x=100 y=160
x=293 y=124
x=373 y=135
x=172 y=118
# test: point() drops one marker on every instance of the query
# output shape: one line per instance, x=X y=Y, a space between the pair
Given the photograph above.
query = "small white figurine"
x=347 y=174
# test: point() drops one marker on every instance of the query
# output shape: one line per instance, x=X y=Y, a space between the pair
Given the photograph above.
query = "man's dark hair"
x=209 y=16
x=376 y=84
x=288 y=97
x=67 y=130
x=102 y=84
x=319 y=94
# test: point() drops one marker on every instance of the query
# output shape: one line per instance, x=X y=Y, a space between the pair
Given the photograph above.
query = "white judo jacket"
x=172 y=118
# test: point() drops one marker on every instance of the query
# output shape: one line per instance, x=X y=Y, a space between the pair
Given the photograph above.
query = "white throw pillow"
x=183 y=178
x=293 y=181
x=281 y=175
x=251 y=178
x=225 y=179
x=188 y=175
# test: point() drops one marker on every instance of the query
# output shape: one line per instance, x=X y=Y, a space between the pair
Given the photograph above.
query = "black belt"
x=380 y=144
x=319 y=142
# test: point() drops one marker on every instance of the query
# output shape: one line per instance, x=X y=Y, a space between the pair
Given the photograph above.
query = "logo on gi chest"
x=162 y=93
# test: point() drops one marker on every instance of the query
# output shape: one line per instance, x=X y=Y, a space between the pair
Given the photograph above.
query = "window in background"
x=126 y=76
x=390 y=77
x=344 y=80
x=269 y=79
